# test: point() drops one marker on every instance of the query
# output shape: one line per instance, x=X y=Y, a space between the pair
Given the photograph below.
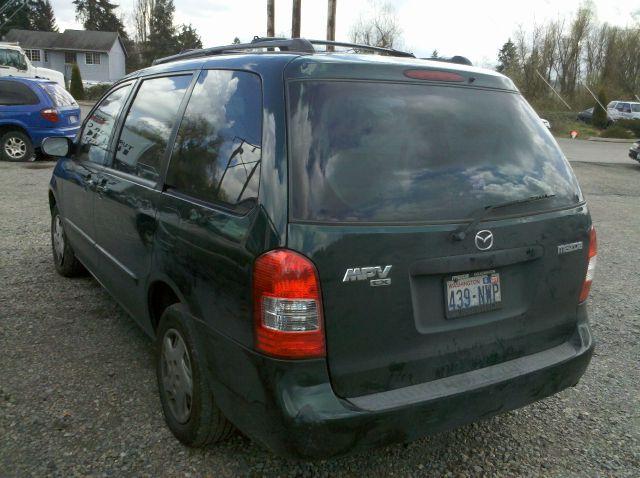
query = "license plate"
x=472 y=293
x=73 y=119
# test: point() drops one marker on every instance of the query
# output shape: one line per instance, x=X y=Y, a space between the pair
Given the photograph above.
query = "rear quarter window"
x=13 y=93
x=406 y=152
x=59 y=95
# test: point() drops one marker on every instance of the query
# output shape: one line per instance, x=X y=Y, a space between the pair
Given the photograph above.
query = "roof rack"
x=298 y=45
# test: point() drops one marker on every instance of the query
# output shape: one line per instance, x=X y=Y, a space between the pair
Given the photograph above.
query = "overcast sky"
x=476 y=29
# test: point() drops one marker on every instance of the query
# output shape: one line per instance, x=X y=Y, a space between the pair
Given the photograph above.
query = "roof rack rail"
x=358 y=46
x=299 y=45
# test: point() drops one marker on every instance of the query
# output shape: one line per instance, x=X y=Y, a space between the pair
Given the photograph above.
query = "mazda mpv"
x=332 y=250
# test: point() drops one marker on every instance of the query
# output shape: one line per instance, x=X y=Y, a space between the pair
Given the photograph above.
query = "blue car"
x=31 y=110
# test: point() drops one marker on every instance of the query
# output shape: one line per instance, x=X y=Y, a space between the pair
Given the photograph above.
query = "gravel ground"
x=78 y=393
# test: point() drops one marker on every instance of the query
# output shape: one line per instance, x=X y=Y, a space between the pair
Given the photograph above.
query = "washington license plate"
x=472 y=293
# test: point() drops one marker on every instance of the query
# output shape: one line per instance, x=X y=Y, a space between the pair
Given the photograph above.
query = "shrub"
x=617 y=131
x=599 y=114
x=632 y=125
x=95 y=92
x=75 y=87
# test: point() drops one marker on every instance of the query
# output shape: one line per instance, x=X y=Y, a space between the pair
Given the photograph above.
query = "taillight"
x=50 y=115
x=593 y=254
x=287 y=306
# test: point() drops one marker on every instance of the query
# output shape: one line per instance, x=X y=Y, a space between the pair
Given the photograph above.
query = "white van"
x=14 y=62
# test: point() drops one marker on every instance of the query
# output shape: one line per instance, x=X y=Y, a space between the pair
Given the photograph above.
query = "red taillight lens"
x=591 y=267
x=50 y=115
x=433 y=75
x=287 y=306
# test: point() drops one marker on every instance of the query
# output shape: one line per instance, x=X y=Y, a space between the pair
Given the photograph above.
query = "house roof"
x=85 y=40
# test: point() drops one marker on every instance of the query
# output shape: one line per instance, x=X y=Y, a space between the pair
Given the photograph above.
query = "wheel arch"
x=6 y=127
x=161 y=294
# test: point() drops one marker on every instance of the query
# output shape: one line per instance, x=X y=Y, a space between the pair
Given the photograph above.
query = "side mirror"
x=59 y=147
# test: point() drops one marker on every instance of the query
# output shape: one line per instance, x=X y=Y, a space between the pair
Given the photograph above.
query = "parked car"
x=14 y=62
x=586 y=116
x=623 y=110
x=634 y=151
x=331 y=251
x=31 y=110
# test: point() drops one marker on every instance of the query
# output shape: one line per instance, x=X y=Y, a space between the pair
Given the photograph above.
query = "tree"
x=599 y=118
x=188 y=38
x=99 y=15
x=75 y=87
x=33 y=15
x=42 y=16
x=381 y=28
x=435 y=54
x=161 y=40
x=236 y=41
x=507 y=58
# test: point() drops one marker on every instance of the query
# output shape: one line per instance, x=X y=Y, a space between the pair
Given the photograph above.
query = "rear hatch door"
x=383 y=174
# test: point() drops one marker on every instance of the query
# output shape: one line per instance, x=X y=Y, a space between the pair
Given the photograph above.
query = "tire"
x=16 y=146
x=64 y=259
x=199 y=422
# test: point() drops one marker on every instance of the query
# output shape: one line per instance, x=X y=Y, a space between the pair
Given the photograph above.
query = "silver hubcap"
x=58 y=238
x=176 y=375
x=15 y=148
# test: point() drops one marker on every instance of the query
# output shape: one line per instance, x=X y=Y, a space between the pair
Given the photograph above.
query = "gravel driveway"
x=78 y=393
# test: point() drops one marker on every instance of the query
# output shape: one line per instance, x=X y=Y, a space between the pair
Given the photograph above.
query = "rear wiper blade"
x=460 y=233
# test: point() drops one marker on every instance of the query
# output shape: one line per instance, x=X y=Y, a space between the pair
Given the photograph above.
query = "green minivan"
x=332 y=250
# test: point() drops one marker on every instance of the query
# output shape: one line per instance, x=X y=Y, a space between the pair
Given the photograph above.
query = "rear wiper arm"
x=460 y=233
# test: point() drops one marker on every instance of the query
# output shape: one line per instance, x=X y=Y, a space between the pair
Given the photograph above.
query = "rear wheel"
x=64 y=258
x=16 y=146
x=185 y=393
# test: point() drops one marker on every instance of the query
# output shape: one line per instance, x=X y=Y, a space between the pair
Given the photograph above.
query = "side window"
x=13 y=93
x=635 y=107
x=94 y=140
x=217 y=154
x=150 y=120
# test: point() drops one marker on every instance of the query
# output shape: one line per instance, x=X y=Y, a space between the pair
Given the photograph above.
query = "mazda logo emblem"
x=484 y=240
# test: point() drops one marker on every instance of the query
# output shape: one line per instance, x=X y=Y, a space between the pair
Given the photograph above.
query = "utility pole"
x=331 y=23
x=271 y=31
x=295 y=19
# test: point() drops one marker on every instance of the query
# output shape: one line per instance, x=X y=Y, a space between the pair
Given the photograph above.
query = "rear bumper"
x=290 y=407
x=38 y=135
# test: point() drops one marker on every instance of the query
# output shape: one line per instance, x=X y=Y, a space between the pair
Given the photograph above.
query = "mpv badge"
x=484 y=240
x=376 y=275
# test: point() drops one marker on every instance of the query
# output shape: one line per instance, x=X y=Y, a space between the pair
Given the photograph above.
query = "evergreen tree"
x=99 y=15
x=188 y=38
x=599 y=118
x=16 y=16
x=75 y=87
x=435 y=54
x=42 y=16
x=236 y=41
x=508 y=58
x=162 y=34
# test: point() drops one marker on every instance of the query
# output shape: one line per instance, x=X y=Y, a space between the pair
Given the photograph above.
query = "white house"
x=101 y=56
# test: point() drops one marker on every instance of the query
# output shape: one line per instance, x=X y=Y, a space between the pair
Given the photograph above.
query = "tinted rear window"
x=13 y=93
x=391 y=152
x=59 y=95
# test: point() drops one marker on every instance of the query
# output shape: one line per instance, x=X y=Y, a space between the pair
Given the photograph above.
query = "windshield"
x=12 y=58
x=59 y=95
x=401 y=152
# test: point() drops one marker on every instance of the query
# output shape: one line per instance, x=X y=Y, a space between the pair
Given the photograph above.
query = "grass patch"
x=562 y=129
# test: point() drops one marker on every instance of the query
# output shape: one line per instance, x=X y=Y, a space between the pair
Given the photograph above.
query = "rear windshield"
x=401 y=152
x=59 y=95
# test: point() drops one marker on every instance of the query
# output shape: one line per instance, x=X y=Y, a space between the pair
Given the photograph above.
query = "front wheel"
x=185 y=392
x=16 y=146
